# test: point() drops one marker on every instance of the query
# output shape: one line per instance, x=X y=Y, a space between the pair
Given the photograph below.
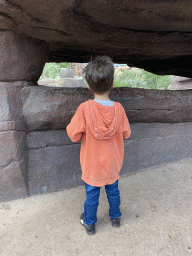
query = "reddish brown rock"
x=36 y=155
x=13 y=149
x=22 y=58
x=155 y=37
x=52 y=108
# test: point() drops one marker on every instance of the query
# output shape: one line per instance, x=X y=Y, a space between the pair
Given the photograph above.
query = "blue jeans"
x=92 y=202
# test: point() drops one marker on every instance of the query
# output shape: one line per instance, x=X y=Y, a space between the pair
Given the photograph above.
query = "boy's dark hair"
x=99 y=74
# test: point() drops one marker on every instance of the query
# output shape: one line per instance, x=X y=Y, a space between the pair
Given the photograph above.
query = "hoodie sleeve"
x=77 y=125
x=126 y=126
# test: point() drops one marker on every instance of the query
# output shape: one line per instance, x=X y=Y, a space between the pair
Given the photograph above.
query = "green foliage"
x=145 y=80
x=52 y=70
x=128 y=78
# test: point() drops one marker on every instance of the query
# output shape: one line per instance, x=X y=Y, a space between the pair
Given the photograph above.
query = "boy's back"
x=103 y=125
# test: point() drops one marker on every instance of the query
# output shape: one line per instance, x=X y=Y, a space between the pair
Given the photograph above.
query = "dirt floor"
x=156 y=206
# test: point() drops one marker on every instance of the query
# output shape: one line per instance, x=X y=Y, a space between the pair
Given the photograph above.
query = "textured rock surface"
x=22 y=58
x=52 y=108
x=151 y=35
x=180 y=83
x=53 y=160
x=37 y=156
x=13 y=148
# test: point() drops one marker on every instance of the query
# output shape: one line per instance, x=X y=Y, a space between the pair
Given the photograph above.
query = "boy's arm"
x=126 y=127
x=76 y=127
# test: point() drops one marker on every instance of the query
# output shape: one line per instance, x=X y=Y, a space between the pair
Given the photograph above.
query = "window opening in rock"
x=58 y=75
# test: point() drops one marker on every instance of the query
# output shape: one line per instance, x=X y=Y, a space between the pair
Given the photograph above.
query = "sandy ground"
x=156 y=206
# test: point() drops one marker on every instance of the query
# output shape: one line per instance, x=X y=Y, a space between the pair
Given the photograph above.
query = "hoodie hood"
x=103 y=121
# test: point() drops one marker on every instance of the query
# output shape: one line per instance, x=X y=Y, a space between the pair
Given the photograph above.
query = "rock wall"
x=152 y=35
x=37 y=156
x=21 y=64
x=54 y=163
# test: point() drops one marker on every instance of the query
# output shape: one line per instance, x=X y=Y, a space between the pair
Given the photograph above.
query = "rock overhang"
x=152 y=35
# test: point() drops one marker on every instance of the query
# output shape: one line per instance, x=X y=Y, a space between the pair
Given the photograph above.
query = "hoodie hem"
x=100 y=182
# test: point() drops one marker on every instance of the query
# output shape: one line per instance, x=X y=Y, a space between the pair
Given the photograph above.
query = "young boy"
x=103 y=125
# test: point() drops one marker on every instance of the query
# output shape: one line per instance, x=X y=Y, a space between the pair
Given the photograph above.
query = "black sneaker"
x=115 y=222
x=90 y=229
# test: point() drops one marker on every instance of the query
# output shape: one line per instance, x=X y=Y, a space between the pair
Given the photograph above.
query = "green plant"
x=145 y=80
x=52 y=70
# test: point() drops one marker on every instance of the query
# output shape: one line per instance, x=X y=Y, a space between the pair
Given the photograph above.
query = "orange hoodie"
x=103 y=125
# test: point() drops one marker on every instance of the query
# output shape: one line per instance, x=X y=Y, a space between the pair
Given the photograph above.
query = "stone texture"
x=22 y=58
x=13 y=180
x=13 y=149
x=37 y=156
x=66 y=73
x=147 y=36
x=53 y=167
x=11 y=143
x=54 y=163
x=64 y=82
x=52 y=108
x=155 y=37
x=180 y=83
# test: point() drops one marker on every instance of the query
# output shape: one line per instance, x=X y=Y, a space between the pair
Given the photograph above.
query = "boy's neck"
x=101 y=97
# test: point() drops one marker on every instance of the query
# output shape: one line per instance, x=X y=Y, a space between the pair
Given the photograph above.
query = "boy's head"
x=99 y=74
